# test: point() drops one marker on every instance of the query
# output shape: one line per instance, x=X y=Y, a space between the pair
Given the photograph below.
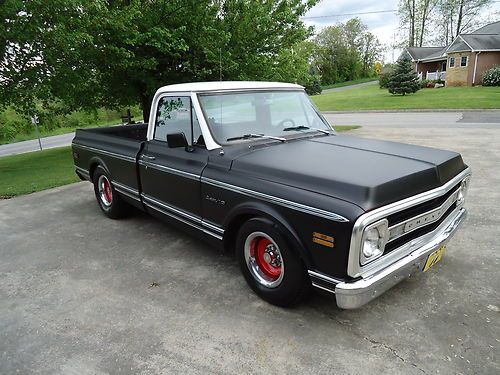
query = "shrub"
x=425 y=83
x=8 y=130
x=492 y=76
x=312 y=84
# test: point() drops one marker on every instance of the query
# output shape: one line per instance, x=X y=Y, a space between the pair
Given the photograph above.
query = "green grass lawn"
x=349 y=83
x=35 y=171
x=372 y=97
x=344 y=128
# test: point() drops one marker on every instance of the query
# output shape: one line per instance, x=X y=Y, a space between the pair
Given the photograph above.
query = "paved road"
x=75 y=295
x=419 y=120
x=343 y=88
x=29 y=146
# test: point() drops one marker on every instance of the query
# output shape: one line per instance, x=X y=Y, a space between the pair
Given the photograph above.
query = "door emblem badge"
x=215 y=200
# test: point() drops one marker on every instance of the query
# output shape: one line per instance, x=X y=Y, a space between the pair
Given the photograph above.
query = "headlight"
x=374 y=239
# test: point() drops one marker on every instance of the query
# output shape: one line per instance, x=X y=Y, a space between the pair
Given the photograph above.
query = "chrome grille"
x=412 y=224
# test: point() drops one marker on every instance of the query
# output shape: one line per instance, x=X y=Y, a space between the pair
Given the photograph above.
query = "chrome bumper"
x=351 y=295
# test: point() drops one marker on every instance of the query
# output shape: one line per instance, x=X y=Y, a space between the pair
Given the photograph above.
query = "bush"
x=492 y=77
x=312 y=84
x=425 y=84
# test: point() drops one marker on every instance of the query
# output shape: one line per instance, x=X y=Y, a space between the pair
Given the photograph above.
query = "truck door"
x=170 y=177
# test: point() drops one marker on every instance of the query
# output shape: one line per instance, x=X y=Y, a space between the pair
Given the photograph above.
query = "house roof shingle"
x=419 y=53
x=481 y=42
x=484 y=38
x=492 y=28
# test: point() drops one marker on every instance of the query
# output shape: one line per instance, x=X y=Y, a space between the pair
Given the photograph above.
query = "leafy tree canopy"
x=346 y=51
x=97 y=53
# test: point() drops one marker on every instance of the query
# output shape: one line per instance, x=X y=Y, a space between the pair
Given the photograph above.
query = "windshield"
x=240 y=116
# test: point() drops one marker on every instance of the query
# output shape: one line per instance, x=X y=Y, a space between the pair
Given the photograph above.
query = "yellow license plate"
x=435 y=257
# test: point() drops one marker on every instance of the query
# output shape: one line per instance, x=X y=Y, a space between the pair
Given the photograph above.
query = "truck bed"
x=136 y=132
x=116 y=147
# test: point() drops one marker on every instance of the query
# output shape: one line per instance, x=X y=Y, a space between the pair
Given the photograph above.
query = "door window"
x=175 y=114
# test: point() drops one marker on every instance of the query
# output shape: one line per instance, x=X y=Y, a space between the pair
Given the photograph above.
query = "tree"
x=345 y=51
x=414 y=15
x=403 y=80
x=458 y=16
x=111 y=53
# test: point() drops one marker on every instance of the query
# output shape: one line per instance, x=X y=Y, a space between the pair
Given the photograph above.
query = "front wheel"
x=268 y=263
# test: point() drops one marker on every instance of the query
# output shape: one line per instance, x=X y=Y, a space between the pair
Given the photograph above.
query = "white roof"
x=227 y=85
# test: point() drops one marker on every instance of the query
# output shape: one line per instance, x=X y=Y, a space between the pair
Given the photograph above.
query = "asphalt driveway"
x=82 y=294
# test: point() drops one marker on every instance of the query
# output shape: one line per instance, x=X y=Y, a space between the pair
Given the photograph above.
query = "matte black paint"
x=336 y=173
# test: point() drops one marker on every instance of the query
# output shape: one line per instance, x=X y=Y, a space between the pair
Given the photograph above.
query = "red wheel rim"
x=108 y=193
x=268 y=260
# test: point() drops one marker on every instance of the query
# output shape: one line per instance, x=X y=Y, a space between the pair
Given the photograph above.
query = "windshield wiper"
x=252 y=135
x=303 y=127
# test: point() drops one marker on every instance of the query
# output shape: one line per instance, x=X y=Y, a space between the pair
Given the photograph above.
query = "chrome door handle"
x=149 y=157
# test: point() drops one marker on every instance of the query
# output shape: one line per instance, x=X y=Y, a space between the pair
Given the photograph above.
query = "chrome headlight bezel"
x=381 y=228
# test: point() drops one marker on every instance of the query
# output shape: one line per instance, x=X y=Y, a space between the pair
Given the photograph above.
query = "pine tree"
x=403 y=79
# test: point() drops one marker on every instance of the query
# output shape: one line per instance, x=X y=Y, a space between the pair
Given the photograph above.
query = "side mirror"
x=176 y=140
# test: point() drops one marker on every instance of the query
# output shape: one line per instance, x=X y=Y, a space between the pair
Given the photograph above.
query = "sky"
x=384 y=25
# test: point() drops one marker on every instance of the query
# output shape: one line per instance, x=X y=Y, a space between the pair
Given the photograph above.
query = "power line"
x=359 y=13
x=350 y=14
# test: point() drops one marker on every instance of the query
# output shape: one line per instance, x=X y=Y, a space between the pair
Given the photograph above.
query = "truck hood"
x=369 y=173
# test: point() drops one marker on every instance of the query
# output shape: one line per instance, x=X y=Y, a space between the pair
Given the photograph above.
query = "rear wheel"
x=107 y=198
x=270 y=265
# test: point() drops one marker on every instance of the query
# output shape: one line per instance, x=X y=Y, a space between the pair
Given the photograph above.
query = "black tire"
x=111 y=204
x=293 y=283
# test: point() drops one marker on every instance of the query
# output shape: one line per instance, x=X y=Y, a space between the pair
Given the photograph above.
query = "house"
x=463 y=62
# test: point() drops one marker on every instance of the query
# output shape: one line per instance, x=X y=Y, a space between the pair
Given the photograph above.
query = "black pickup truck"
x=253 y=167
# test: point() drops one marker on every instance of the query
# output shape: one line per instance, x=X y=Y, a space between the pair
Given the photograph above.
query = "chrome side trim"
x=183 y=220
x=212 y=227
x=104 y=152
x=322 y=287
x=324 y=277
x=125 y=187
x=280 y=201
x=186 y=218
x=126 y=190
x=174 y=210
x=354 y=269
x=83 y=171
x=169 y=170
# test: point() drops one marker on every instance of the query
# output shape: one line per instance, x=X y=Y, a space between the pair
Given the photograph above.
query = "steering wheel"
x=283 y=122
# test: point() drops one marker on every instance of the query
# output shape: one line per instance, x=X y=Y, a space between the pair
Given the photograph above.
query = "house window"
x=443 y=67
x=452 y=62
x=463 y=61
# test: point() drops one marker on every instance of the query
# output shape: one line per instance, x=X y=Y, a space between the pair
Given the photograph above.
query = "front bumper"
x=351 y=295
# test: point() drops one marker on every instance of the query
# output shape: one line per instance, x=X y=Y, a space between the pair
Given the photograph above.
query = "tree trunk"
x=413 y=23
x=460 y=16
x=145 y=106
